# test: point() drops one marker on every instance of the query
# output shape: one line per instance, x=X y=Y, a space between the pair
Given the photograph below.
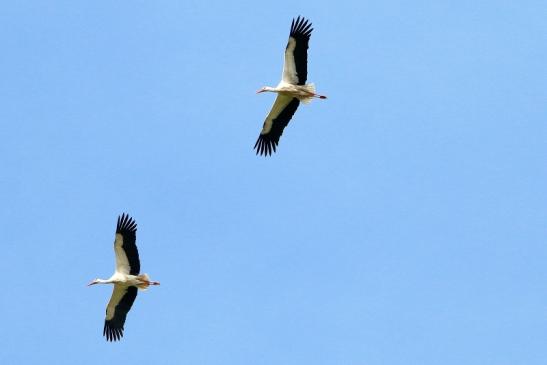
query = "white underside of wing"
x=279 y=104
x=122 y=263
x=289 y=67
x=117 y=295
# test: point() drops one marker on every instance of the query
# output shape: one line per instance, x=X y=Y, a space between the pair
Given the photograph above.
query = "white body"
x=304 y=93
x=141 y=281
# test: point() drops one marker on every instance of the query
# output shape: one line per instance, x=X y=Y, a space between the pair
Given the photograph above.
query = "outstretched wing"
x=282 y=111
x=295 y=68
x=116 y=311
x=127 y=255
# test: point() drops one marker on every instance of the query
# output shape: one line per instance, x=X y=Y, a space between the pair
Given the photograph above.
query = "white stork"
x=126 y=278
x=291 y=90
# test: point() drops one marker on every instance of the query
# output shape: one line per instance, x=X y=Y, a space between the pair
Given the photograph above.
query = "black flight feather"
x=113 y=328
x=301 y=31
x=128 y=229
x=266 y=143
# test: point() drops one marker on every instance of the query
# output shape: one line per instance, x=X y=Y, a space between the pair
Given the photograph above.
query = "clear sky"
x=402 y=221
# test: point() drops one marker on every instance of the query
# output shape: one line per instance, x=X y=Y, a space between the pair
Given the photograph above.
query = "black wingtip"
x=112 y=334
x=301 y=27
x=265 y=146
x=126 y=224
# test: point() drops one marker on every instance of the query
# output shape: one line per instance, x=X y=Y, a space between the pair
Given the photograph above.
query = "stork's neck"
x=104 y=281
x=270 y=89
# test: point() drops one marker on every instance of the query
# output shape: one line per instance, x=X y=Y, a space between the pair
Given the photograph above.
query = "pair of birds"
x=290 y=92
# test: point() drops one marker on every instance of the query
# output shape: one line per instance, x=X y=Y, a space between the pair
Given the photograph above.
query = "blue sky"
x=402 y=221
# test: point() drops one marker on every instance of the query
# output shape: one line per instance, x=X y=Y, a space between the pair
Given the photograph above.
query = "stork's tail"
x=145 y=282
x=310 y=88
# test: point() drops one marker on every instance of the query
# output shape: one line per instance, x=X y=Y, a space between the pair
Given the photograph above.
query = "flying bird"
x=291 y=90
x=126 y=278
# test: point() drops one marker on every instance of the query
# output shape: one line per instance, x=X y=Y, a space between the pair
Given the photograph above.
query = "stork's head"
x=266 y=88
x=93 y=282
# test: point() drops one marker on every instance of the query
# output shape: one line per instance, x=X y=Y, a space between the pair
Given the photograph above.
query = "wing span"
x=282 y=111
x=116 y=311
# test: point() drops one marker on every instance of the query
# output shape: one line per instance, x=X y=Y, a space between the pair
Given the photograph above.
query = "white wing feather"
x=122 y=263
x=279 y=104
x=117 y=295
x=289 y=67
